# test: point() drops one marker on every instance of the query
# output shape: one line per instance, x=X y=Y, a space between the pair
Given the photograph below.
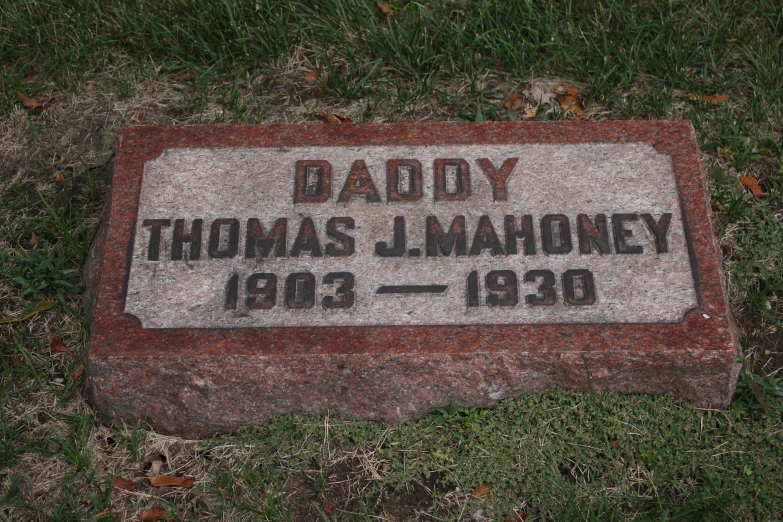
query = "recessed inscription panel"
x=418 y=235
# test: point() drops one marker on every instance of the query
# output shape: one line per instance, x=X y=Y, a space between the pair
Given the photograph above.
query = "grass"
x=96 y=65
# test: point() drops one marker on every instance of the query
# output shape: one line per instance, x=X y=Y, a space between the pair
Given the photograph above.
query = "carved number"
x=300 y=290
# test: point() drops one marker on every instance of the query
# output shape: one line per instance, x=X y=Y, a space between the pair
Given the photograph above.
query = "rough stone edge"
x=734 y=332
x=91 y=274
x=196 y=397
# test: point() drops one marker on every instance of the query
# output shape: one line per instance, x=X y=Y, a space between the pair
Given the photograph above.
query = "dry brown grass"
x=78 y=131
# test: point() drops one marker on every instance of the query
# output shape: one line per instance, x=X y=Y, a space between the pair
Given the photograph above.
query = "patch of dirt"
x=764 y=342
x=338 y=491
x=417 y=501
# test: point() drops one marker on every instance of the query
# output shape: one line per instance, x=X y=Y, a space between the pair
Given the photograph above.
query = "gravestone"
x=384 y=270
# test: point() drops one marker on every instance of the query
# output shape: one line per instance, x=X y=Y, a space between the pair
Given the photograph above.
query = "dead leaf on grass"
x=153 y=513
x=717 y=98
x=123 y=483
x=29 y=102
x=717 y=206
x=531 y=113
x=753 y=184
x=24 y=317
x=78 y=373
x=311 y=77
x=570 y=102
x=135 y=118
x=511 y=100
x=106 y=511
x=33 y=239
x=332 y=119
x=59 y=346
x=90 y=86
x=385 y=9
x=759 y=395
x=719 y=174
x=59 y=178
x=184 y=77
x=172 y=480
x=328 y=508
x=481 y=491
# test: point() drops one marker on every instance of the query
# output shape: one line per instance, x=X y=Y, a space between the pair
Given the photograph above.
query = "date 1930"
x=337 y=290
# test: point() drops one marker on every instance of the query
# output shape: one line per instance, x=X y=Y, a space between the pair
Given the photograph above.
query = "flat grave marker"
x=384 y=270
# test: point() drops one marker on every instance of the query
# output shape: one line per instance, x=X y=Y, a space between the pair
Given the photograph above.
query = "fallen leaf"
x=90 y=86
x=511 y=100
x=134 y=118
x=531 y=113
x=123 y=483
x=570 y=102
x=481 y=491
x=328 y=508
x=15 y=361
x=311 y=77
x=59 y=346
x=332 y=119
x=106 y=511
x=615 y=445
x=40 y=308
x=29 y=102
x=753 y=184
x=719 y=174
x=33 y=239
x=78 y=373
x=30 y=78
x=184 y=77
x=759 y=395
x=153 y=513
x=717 y=206
x=517 y=105
x=518 y=517
x=718 y=98
x=60 y=159
x=385 y=9
x=172 y=480
x=59 y=178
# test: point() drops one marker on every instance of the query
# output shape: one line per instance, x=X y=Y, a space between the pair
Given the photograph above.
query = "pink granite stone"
x=202 y=320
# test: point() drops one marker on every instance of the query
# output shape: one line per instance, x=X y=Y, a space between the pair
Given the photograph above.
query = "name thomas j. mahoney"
x=445 y=235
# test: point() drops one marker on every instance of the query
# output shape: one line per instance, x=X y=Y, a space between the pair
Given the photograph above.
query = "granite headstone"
x=384 y=270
